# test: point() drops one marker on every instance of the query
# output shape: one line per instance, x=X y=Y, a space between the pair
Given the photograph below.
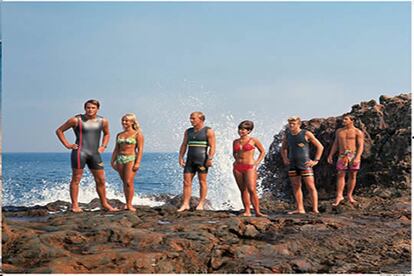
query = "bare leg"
x=250 y=177
x=340 y=188
x=310 y=185
x=128 y=181
x=99 y=176
x=120 y=170
x=351 y=185
x=187 y=183
x=202 y=179
x=297 y=191
x=74 y=189
x=244 y=193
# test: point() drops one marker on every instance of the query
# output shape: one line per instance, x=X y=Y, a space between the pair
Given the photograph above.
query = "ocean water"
x=40 y=178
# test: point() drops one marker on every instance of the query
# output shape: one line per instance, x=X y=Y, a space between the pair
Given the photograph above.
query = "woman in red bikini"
x=244 y=168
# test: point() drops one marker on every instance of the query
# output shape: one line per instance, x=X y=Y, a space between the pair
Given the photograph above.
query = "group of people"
x=199 y=143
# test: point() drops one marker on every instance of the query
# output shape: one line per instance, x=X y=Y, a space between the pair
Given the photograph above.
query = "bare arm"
x=183 y=149
x=115 y=152
x=211 y=138
x=319 y=148
x=105 y=139
x=140 y=148
x=234 y=152
x=360 y=145
x=334 y=148
x=72 y=122
x=261 y=149
x=284 y=151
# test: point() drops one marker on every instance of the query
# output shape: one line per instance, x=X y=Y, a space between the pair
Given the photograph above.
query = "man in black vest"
x=201 y=143
x=295 y=154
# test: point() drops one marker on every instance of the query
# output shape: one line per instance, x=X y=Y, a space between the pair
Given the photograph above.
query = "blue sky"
x=234 y=61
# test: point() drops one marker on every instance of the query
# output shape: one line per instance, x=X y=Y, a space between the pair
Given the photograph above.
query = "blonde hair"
x=200 y=115
x=133 y=118
x=294 y=119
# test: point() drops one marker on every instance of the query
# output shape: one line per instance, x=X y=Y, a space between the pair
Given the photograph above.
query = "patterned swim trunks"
x=346 y=161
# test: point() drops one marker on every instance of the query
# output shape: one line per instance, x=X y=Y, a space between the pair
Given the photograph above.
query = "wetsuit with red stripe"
x=88 y=136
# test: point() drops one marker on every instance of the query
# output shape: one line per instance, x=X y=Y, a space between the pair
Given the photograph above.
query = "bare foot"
x=351 y=200
x=296 y=212
x=315 y=212
x=130 y=208
x=183 y=208
x=259 y=214
x=109 y=208
x=337 y=201
x=246 y=214
x=76 y=210
x=200 y=207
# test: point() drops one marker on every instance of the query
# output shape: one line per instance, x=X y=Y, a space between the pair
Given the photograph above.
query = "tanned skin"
x=198 y=124
x=91 y=111
x=247 y=180
x=296 y=181
x=347 y=138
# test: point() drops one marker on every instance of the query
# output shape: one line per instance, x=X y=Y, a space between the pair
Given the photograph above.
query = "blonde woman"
x=127 y=155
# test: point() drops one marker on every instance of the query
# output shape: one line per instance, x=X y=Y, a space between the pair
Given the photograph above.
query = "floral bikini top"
x=130 y=140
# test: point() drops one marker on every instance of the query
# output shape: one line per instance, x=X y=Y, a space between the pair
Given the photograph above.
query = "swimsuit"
x=129 y=140
x=298 y=154
x=246 y=147
x=197 y=151
x=123 y=158
x=346 y=161
x=242 y=167
x=88 y=135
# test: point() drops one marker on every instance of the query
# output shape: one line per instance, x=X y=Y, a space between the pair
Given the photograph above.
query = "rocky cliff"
x=386 y=161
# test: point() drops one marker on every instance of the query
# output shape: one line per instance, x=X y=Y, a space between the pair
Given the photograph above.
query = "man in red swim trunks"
x=349 y=140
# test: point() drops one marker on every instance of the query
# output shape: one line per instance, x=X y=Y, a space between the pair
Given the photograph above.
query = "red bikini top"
x=245 y=147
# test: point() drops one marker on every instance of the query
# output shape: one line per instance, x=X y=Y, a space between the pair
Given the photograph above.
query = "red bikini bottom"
x=243 y=167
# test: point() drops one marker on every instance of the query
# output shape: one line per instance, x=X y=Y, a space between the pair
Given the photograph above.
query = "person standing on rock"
x=295 y=155
x=244 y=167
x=127 y=155
x=349 y=140
x=87 y=150
x=201 y=143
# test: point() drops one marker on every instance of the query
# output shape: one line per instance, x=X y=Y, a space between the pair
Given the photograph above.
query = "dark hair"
x=350 y=116
x=249 y=125
x=94 y=102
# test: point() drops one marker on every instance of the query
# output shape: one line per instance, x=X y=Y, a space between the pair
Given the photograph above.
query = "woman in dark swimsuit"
x=244 y=168
x=127 y=155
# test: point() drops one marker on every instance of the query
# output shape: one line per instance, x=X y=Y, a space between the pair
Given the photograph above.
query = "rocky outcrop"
x=386 y=161
x=372 y=238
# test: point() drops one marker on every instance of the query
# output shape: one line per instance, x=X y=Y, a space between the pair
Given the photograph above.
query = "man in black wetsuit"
x=86 y=150
x=201 y=143
x=295 y=154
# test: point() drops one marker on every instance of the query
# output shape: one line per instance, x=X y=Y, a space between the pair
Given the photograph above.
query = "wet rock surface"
x=370 y=237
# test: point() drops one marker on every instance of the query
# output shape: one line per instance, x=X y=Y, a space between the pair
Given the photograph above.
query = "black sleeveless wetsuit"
x=197 y=151
x=298 y=149
x=88 y=136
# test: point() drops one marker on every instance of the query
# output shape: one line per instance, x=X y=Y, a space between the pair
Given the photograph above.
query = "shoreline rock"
x=373 y=237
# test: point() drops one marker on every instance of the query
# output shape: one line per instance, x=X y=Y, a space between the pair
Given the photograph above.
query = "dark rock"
x=214 y=242
x=386 y=160
x=177 y=201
